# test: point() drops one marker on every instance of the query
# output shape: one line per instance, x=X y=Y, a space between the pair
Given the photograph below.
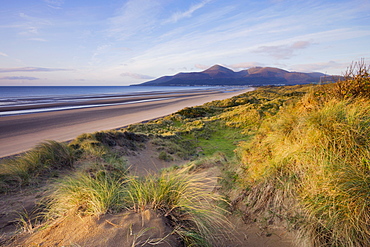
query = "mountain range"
x=218 y=75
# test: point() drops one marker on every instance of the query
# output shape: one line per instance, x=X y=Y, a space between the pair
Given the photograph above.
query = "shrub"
x=356 y=83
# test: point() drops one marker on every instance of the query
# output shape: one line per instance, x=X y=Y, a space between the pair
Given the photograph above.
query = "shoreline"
x=19 y=133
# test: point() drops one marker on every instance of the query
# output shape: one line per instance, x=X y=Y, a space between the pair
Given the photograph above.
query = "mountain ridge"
x=218 y=75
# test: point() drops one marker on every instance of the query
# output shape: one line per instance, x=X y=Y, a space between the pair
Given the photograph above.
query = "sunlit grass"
x=187 y=200
x=25 y=169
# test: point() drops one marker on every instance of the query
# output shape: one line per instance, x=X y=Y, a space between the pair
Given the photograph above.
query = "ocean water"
x=32 y=98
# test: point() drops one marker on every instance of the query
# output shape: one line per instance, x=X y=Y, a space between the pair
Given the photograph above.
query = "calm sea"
x=39 y=95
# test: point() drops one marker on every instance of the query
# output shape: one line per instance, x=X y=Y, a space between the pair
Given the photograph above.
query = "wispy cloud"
x=321 y=66
x=136 y=76
x=19 y=78
x=3 y=54
x=187 y=13
x=38 y=39
x=201 y=66
x=55 y=4
x=283 y=51
x=31 y=25
x=31 y=69
x=135 y=17
x=245 y=65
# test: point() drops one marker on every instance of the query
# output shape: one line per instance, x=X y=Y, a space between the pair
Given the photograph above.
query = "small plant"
x=185 y=200
x=164 y=156
x=91 y=194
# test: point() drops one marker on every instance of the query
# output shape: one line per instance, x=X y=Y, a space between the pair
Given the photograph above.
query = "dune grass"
x=45 y=158
x=315 y=151
x=186 y=200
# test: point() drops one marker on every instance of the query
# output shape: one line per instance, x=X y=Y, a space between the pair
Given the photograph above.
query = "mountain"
x=219 y=75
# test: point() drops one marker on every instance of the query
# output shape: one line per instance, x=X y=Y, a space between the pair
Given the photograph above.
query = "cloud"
x=201 y=66
x=38 y=39
x=55 y=4
x=283 y=51
x=32 y=25
x=31 y=69
x=19 y=78
x=323 y=66
x=135 y=17
x=3 y=54
x=245 y=65
x=136 y=76
x=188 y=13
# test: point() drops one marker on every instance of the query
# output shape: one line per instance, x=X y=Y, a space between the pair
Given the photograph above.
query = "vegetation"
x=297 y=155
x=43 y=160
x=316 y=151
x=186 y=200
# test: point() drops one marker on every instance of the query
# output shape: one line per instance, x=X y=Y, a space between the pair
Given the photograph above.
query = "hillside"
x=218 y=75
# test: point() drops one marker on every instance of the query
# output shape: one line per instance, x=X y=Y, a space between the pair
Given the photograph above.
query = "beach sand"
x=20 y=133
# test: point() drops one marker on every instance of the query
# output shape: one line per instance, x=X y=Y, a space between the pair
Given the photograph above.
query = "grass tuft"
x=186 y=200
x=45 y=158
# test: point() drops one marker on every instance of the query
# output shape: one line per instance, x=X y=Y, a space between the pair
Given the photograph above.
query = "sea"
x=15 y=100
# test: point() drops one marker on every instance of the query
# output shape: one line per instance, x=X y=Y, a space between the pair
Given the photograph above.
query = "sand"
x=20 y=133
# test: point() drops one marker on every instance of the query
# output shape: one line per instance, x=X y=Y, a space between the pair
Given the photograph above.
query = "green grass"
x=44 y=159
x=87 y=194
x=187 y=200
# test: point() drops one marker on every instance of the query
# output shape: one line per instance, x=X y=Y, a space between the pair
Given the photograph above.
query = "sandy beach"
x=20 y=133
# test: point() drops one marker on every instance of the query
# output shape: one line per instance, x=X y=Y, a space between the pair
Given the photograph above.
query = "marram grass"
x=187 y=200
x=318 y=152
x=89 y=194
x=25 y=169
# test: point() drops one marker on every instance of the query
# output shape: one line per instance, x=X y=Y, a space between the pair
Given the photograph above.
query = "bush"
x=356 y=83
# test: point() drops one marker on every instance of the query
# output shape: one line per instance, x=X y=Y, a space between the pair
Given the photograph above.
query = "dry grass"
x=316 y=151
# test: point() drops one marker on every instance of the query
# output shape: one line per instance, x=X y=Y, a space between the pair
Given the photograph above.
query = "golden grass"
x=316 y=151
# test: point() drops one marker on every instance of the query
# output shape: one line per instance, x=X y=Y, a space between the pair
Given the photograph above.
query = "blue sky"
x=123 y=42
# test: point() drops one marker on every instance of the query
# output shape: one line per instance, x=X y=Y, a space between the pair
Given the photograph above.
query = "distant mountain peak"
x=217 y=67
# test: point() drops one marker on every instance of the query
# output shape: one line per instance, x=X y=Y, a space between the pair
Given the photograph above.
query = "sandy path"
x=22 y=132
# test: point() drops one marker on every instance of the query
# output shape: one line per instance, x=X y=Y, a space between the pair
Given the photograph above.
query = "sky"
x=124 y=42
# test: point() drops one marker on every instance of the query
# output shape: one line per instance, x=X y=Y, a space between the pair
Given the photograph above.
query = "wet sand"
x=20 y=133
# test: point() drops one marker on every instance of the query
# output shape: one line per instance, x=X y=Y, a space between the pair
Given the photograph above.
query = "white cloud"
x=19 y=78
x=31 y=69
x=188 y=13
x=135 y=17
x=32 y=25
x=320 y=66
x=55 y=4
x=201 y=66
x=283 y=51
x=245 y=65
x=136 y=76
x=38 y=39
x=3 y=54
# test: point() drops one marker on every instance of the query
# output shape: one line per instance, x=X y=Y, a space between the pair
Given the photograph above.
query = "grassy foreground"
x=298 y=156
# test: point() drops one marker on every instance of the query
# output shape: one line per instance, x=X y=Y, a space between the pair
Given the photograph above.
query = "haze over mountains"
x=218 y=75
